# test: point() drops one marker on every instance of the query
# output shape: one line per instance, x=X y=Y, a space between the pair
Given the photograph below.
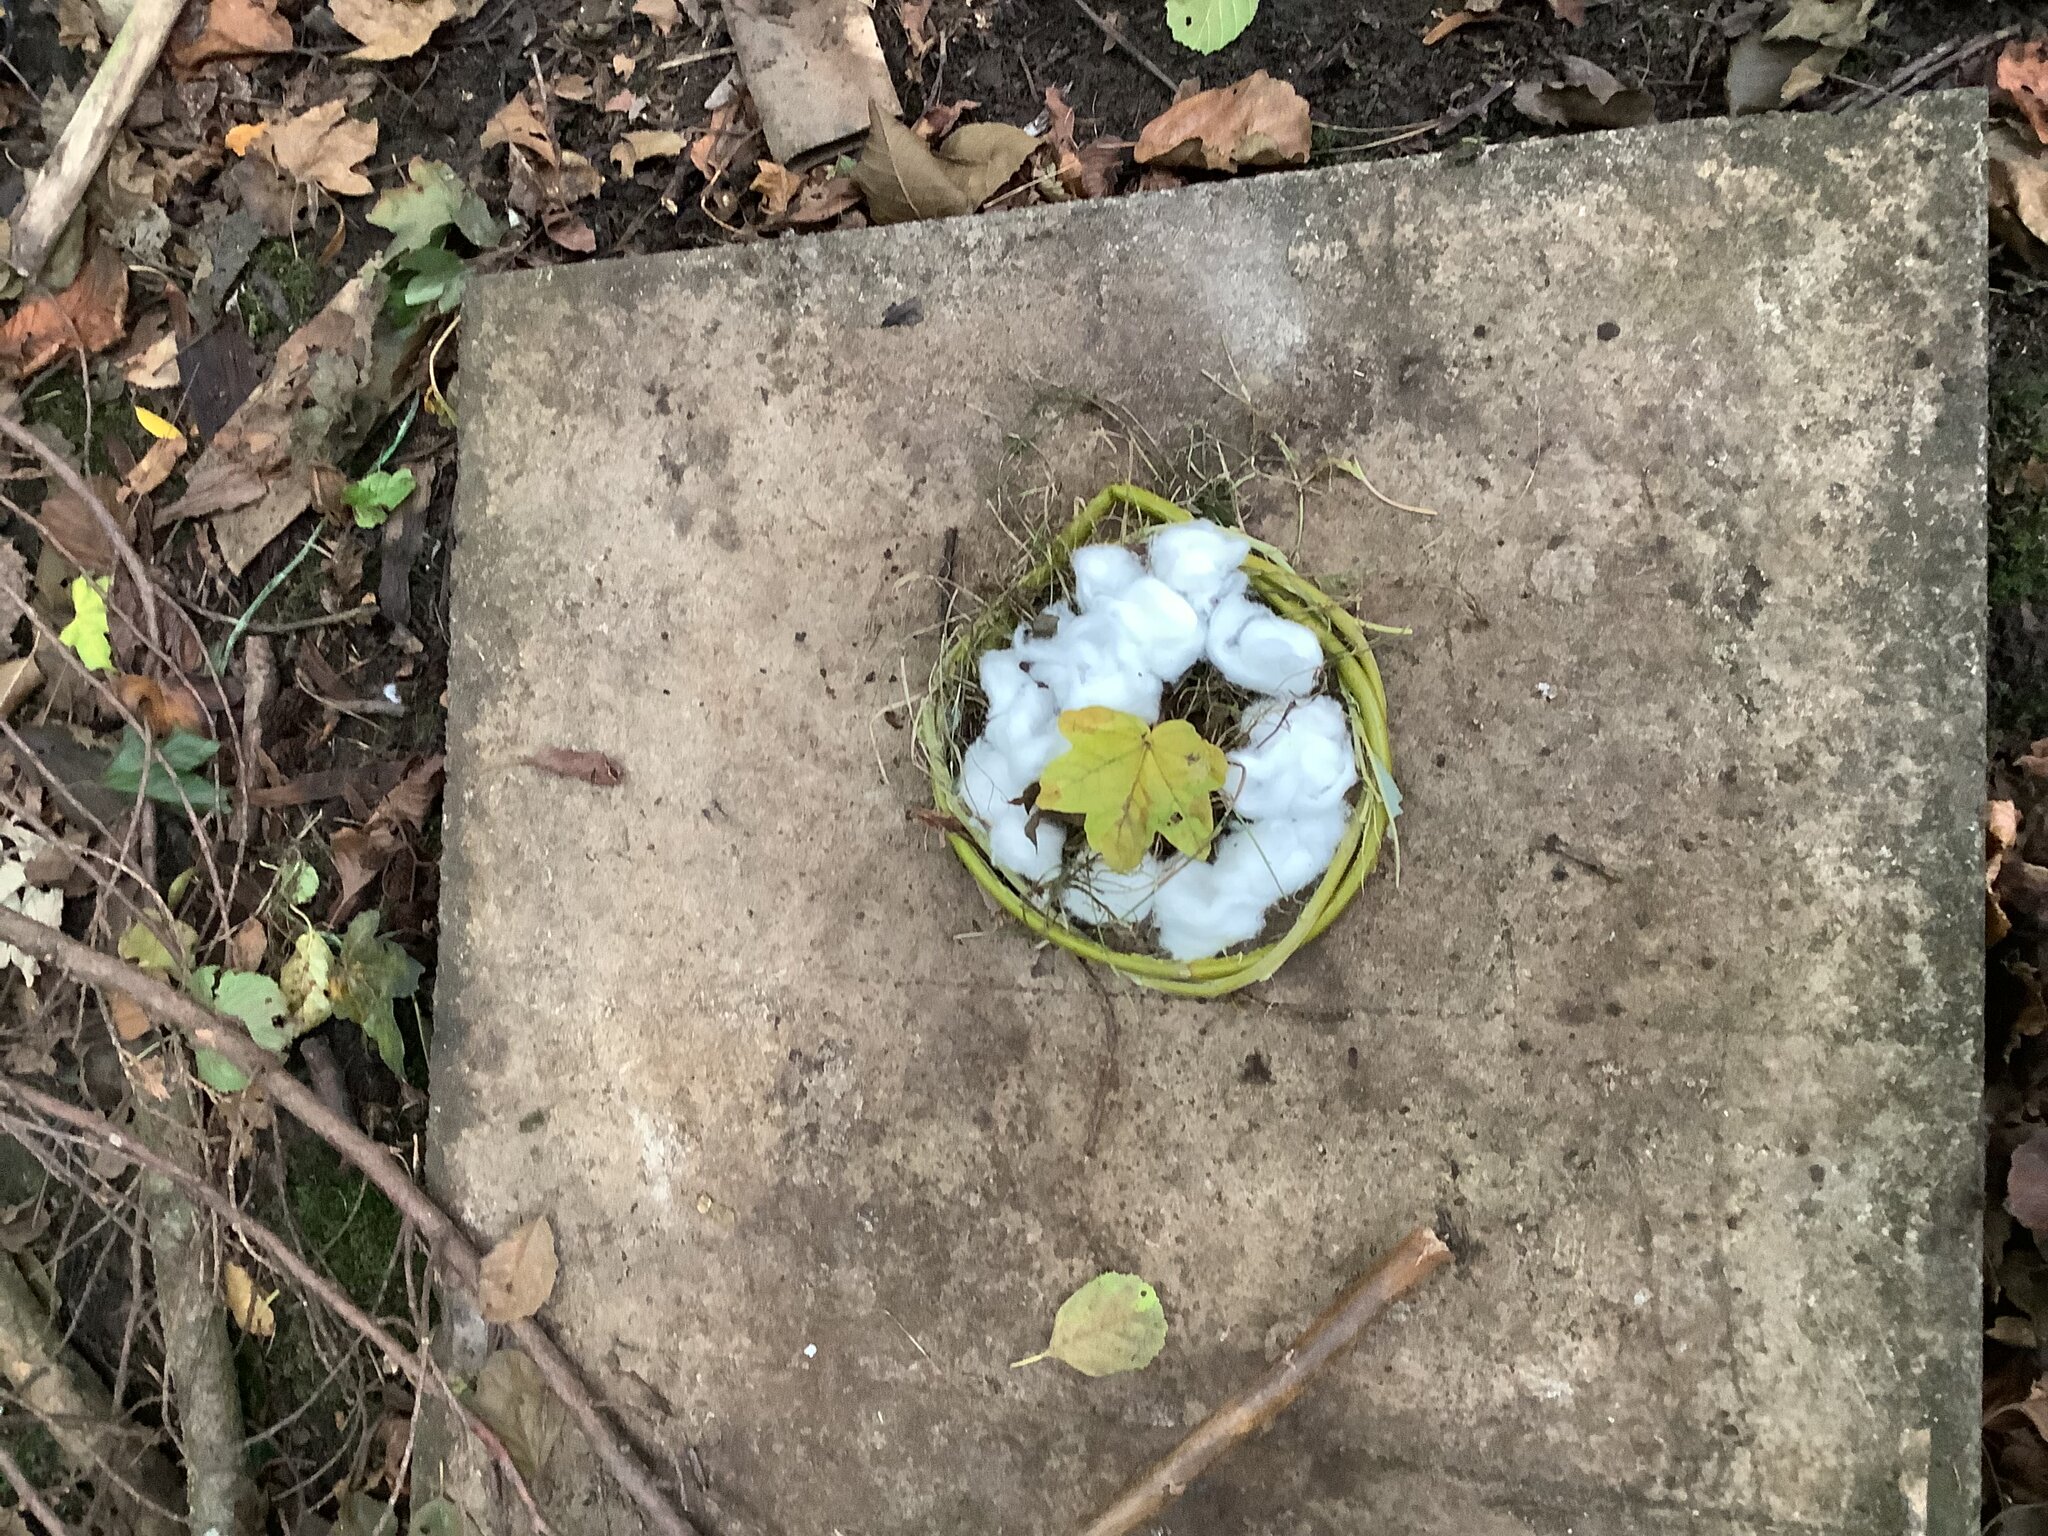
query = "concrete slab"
x=1672 y=1016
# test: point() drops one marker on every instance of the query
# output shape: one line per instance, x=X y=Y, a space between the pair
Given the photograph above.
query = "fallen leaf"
x=2023 y=75
x=914 y=16
x=2026 y=1186
x=1207 y=25
x=626 y=102
x=777 y=185
x=823 y=197
x=1059 y=121
x=723 y=137
x=250 y=1310
x=233 y=30
x=570 y=232
x=1584 y=96
x=89 y=316
x=903 y=178
x=1758 y=72
x=433 y=200
x=518 y=1276
x=324 y=145
x=661 y=12
x=591 y=767
x=623 y=65
x=164 y=708
x=147 y=1072
x=153 y=364
x=1456 y=21
x=2034 y=761
x=1094 y=169
x=77 y=26
x=934 y=123
x=1112 y=1324
x=247 y=945
x=1258 y=121
x=1134 y=782
x=521 y=1409
x=390 y=29
x=18 y=679
x=1571 y=11
x=519 y=122
x=1832 y=23
x=87 y=632
x=573 y=88
x=647 y=144
x=2018 y=194
x=154 y=467
x=244 y=137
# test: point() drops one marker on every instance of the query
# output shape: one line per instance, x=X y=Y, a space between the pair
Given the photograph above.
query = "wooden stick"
x=1116 y=37
x=101 y=110
x=1418 y=1256
x=446 y=1240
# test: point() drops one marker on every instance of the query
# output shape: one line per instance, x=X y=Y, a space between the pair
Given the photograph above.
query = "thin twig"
x=28 y=1495
x=1929 y=64
x=454 y=1251
x=288 y=1261
x=1414 y=1259
x=1116 y=36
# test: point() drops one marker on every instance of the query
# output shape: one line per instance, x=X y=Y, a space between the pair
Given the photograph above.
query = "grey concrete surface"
x=1671 y=1020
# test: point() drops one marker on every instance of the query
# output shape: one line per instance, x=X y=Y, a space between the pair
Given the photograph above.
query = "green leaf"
x=1206 y=25
x=372 y=974
x=217 y=1072
x=1112 y=1324
x=142 y=945
x=298 y=880
x=377 y=493
x=433 y=278
x=257 y=1002
x=87 y=631
x=180 y=753
x=436 y=1517
x=1133 y=782
x=304 y=982
x=436 y=199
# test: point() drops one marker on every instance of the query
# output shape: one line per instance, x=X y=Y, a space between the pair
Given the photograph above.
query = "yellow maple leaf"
x=1133 y=782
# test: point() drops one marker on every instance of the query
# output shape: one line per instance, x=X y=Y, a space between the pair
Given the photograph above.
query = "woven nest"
x=1124 y=514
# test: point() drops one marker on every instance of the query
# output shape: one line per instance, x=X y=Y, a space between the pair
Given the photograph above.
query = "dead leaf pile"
x=546 y=181
x=1583 y=95
x=323 y=146
x=229 y=31
x=904 y=178
x=391 y=29
x=1774 y=66
x=2018 y=146
x=1257 y=122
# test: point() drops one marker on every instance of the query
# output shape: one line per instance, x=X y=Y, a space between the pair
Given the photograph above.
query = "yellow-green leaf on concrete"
x=1206 y=25
x=87 y=631
x=1112 y=1324
x=1133 y=782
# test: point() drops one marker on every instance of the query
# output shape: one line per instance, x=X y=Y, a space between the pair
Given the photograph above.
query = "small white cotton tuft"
x=1199 y=560
x=1271 y=860
x=1161 y=633
x=1084 y=663
x=1196 y=915
x=1255 y=648
x=990 y=788
x=1103 y=571
x=1297 y=759
x=1098 y=894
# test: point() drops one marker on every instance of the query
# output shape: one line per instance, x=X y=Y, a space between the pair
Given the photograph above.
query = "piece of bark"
x=812 y=67
x=49 y=204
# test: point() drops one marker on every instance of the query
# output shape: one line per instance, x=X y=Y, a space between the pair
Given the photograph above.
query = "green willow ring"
x=1357 y=684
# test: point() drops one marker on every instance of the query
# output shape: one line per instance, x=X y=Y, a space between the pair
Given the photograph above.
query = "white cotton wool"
x=1086 y=663
x=1197 y=913
x=1297 y=760
x=1103 y=571
x=1256 y=649
x=1098 y=894
x=991 y=789
x=1023 y=717
x=1161 y=632
x=1273 y=859
x=1200 y=561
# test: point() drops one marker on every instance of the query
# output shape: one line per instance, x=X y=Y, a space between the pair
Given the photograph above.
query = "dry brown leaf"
x=591 y=767
x=147 y=1073
x=154 y=467
x=2023 y=75
x=1257 y=121
x=778 y=186
x=662 y=13
x=1572 y=11
x=390 y=29
x=1059 y=120
x=623 y=65
x=89 y=316
x=2034 y=762
x=1584 y=96
x=936 y=122
x=152 y=363
x=231 y=30
x=2019 y=193
x=18 y=679
x=646 y=144
x=518 y=1276
x=573 y=88
x=713 y=149
x=915 y=16
x=2026 y=1186
x=520 y=123
x=1457 y=20
x=247 y=946
x=248 y=1307
x=1094 y=169
x=164 y=707
x=77 y=26
x=570 y=232
x=626 y=102
x=130 y=1022
x=324 y=145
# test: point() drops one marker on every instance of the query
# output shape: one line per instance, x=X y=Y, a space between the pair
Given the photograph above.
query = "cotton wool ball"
x=1102 y=572
x=1271 y=860
x=1085 y=665
x=1200 y=561
x=1196 y=914
x=1162 y=633
x=1023 y=717
x=1256 y=649
x=1098 y=894
x=991 y=789
x=1297 y=759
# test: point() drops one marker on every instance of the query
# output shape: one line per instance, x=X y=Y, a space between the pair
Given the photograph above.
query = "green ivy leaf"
x=1207 y=25
x=257 y=1002
x=87 y=631
x=141 y=945
x=377 y=493
x=372 y=974
x=433 y=279
x=1112 y=1324
x=217 y=1072
x=436 y=1517
x=181 y=752
x=435 y=200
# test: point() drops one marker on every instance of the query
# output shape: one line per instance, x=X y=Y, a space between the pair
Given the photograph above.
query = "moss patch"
x=280 y=292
